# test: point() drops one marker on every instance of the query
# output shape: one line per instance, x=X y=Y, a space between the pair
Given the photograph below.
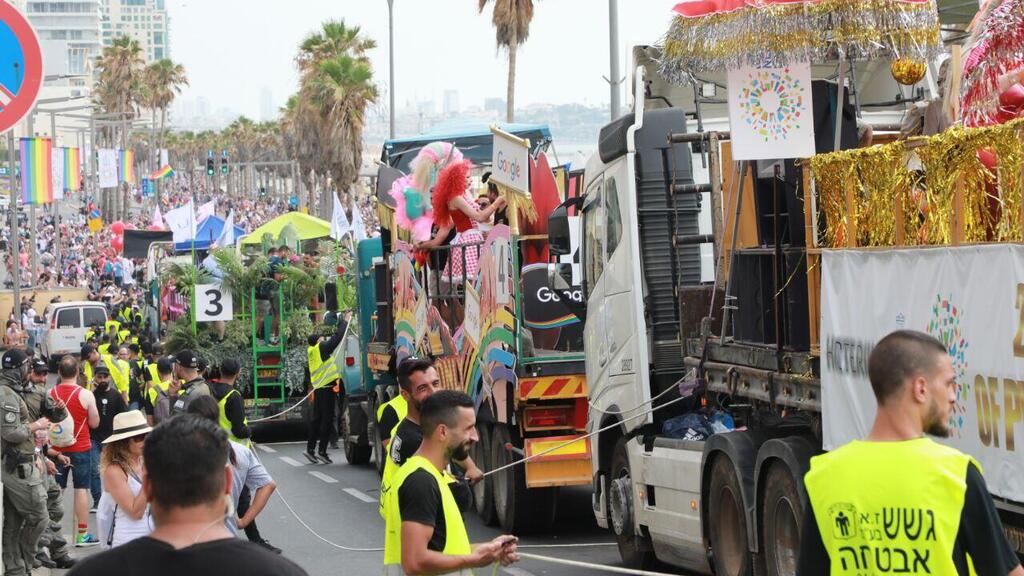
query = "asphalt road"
x=339 y=502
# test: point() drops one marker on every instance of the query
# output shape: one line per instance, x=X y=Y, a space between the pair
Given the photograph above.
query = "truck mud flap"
x=569 y=465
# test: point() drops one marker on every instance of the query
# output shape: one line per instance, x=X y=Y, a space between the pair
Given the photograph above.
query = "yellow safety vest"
x=103 y=349
x=154 y=373
x=401 y=408
x=90 y=334
x=226 y=424
x=123 y=336
x=112 y=323
x=889 y=506
x=151 y=392
x=456 y=539
x=321 y=373
x=119 y=377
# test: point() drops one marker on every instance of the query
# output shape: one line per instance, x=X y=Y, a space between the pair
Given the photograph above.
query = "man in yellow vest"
x=389 y=415
x=323 y=379
x=898 y=501
x=229 y=401
x=91 y=358
x=158 y=399
x=424 y=532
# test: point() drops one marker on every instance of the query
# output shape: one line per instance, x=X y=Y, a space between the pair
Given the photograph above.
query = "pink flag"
x=158 y=218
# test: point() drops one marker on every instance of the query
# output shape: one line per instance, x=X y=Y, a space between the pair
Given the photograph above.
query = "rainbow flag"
x=36 y=171
x=72 y=169
x=126 y=172
x=165 y=172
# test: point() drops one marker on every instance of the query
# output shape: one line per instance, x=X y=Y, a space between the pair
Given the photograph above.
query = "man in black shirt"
x=187 y=479
x=230 y=400
x=419 y=380
x=324 y=397
x=109 y=403
x=861 y=490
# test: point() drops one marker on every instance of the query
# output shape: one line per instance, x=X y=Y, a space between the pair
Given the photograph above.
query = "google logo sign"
x=511 y=168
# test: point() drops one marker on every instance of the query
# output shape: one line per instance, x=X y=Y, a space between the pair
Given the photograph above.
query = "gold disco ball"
x=907 y=72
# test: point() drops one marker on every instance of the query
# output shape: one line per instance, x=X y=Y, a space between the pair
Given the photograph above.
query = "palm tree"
x=511 y=19
x=163 y=80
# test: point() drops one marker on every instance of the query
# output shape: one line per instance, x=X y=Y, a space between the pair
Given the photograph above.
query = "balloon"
x=117 y=243
x=117 y=227
x=1013 y=97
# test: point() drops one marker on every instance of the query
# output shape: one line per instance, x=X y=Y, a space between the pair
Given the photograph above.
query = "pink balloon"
x=117 y=227
x=117 y=243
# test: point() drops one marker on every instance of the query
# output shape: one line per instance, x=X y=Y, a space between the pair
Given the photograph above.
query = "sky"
x=233 y=49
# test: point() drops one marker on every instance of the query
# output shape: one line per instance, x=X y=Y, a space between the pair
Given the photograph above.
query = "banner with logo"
x=972 y=299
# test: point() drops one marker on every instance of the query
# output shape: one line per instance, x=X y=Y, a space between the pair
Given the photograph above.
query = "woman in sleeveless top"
x=123 y=507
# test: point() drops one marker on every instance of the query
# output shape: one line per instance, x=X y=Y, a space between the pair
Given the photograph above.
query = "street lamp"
x=391 y=66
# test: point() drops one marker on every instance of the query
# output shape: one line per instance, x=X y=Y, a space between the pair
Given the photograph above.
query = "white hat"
x=128 y=424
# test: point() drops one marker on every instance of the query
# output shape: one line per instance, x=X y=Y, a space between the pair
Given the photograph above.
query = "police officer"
x=898 y=501
x=424 y=531
x=40 y=404
x=187 y=372
x=25 y=515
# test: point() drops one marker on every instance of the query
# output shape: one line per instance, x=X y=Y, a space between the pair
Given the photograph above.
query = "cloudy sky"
x=232 y=49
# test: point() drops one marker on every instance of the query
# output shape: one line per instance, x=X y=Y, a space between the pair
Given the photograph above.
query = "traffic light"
x=224 y=165
x=209 y=167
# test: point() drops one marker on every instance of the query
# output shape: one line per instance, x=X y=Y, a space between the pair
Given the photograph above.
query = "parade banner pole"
x=15 y=248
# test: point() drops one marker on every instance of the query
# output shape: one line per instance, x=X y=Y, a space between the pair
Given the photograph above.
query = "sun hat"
x=128 y=424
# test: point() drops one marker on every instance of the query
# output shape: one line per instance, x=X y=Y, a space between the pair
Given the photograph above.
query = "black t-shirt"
x=109 y=403
x=406 y=442
x=419 y=500
x=980 y=535
x=388 y=421
x=148 y=557
x=234 y=408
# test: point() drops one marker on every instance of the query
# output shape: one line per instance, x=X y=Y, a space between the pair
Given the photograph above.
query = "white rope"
x=297 y=404
x=318 y=536
x=584 y=437
x=690 y=374
x=590 y=566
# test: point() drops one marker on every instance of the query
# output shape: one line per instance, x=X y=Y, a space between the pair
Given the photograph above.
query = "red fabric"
x=66 y=393
x=544 y=192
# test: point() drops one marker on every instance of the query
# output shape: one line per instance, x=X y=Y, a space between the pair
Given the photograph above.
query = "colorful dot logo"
x=945 y=326
x=772 y=103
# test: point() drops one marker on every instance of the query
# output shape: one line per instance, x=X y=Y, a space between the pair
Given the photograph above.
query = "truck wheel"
x=783 y=521
x=635 y=550
x=355 y=453
x=520 y=510
x=727 y=521
x=483 y=492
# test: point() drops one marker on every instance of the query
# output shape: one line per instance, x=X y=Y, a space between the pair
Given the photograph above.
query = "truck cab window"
x=593 y=238
x=613 y=216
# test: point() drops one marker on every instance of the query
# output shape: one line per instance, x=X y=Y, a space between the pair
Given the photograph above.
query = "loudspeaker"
x=755 y=283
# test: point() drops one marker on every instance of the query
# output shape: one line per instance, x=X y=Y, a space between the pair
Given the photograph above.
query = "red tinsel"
x=451 y=183
x=999 y=50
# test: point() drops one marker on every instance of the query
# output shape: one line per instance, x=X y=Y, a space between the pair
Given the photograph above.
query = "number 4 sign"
x=213 y=303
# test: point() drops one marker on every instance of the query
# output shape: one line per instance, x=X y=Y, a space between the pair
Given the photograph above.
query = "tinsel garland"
x=881 y=182
x=763 y=33
x=999 y=49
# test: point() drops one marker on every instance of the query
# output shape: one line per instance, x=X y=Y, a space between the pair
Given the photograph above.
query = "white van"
x=68 y=324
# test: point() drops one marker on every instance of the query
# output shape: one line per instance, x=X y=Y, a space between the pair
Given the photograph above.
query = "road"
x=339 y=502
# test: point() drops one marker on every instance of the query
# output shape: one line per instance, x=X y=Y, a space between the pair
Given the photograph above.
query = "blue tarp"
x=207 y=233
x=472 y=137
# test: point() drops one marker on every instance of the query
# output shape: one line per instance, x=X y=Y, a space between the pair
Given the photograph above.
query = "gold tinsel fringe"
x=888 y=196
x=780 y=34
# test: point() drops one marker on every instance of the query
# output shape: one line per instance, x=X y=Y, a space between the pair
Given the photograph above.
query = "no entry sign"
x=21 y=66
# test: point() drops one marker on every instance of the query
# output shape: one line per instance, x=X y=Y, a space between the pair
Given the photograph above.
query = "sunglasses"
x=139 y=438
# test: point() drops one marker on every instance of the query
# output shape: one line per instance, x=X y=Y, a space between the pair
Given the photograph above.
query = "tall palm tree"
x=163 y=81
x=511 y=19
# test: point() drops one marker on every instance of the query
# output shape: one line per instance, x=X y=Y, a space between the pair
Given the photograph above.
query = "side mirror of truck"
x=560 y=282
x=559 y=238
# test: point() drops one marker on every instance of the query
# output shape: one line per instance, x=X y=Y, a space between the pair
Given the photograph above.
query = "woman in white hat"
x=123 y=513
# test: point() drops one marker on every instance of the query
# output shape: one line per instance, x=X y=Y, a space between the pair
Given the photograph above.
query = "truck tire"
x=483 y=492
x=355 y=453
x=727 y=521
x=520 y=510
x=634 y=549
x=783 y=521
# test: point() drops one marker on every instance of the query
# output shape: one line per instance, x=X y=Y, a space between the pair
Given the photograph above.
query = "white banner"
x=213 y=303
x=972 y=299
x=57 y=169
x=770 y=112
x=108 y=168
x=510 y=162
x=182 y=222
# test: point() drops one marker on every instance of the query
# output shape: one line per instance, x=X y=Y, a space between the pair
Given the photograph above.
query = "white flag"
x=227 y=235
x=163 y=157
x=358 y=228
x=339 y=220
x=57 y=165
x=182 y=222
x=108 y=168
x=206 y=210
x=158 y=218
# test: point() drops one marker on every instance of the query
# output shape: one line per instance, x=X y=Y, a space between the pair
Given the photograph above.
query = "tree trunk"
x=511 y=96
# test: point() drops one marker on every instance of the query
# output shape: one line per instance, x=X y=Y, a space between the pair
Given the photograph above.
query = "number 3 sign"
x=213 y=303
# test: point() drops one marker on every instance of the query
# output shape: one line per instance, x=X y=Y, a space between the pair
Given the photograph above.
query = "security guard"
x=389 y=415
x=158 y=401
x=91 y=358
x=186 y=370
x=898 y=501
x=40 y=404
x=94 y=332
x=229 y=400
x=424 y=531
x=323 y=378
x=25 y=515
